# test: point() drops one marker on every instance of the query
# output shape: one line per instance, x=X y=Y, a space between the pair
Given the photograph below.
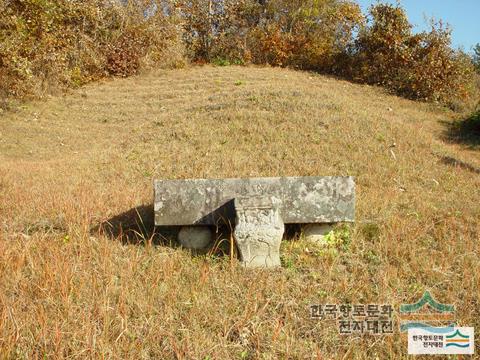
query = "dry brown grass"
x=72 y=162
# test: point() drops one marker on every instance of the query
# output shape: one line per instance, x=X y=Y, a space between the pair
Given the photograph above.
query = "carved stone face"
x=259 y=210
x=257 y=216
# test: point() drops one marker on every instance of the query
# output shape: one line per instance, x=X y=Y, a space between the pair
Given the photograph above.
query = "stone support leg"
x=195 y=237
x=316 y=232
x=259 y=231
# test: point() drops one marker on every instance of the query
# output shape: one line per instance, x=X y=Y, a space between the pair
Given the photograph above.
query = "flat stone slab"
x=303 y=200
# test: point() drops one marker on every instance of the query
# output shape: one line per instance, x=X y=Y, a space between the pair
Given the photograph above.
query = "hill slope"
x=73 y=163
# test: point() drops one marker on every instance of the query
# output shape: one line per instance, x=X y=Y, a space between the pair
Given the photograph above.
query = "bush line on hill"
x=46 y=44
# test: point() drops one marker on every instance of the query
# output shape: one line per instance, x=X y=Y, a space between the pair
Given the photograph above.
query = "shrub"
x=305 y=34
x=217 y=29
x=322 y=32
x=301 y=33
x=466 y=132
x=124 y=53
x=46 y=44
x=422 y=66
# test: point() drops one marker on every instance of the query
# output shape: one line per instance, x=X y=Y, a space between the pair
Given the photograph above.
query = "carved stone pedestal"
x=259 y=231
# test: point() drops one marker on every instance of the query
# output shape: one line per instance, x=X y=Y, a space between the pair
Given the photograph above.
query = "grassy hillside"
x=74 y=163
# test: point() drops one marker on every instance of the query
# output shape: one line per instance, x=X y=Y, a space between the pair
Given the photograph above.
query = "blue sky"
x=462 y=15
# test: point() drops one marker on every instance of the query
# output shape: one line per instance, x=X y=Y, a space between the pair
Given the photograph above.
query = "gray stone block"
x=316 y=233
x=195 y=237
x=302 y=200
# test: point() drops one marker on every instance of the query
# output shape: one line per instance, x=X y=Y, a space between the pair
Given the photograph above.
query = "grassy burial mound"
x=83 y=275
